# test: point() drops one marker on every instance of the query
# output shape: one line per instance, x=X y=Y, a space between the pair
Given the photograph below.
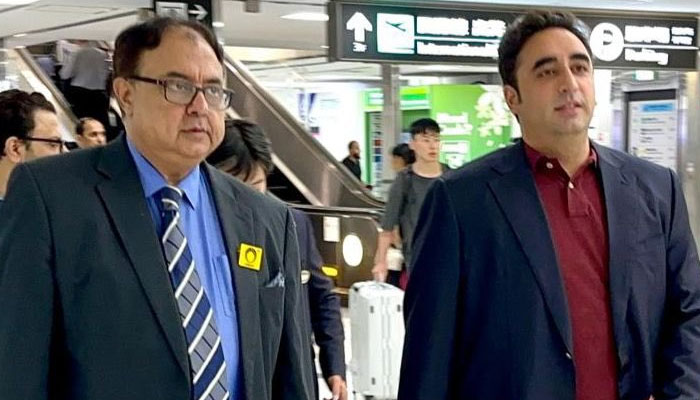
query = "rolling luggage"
x=377 y=332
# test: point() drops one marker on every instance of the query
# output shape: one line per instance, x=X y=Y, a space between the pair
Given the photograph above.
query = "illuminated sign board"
x=391 y=32
x=196 y=10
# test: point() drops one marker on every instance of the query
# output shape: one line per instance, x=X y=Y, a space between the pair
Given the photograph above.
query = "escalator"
x=343 y=212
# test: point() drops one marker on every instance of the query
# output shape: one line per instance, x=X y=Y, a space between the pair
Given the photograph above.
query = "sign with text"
x=653 y=129
x=197 y=10
x=389 y=32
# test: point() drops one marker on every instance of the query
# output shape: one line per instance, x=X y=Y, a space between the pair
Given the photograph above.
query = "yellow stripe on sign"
x=250 y=256
x=330 y=270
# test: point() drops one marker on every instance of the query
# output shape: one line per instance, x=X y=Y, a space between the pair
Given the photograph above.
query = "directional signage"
x=198 y=10
x=446 y=33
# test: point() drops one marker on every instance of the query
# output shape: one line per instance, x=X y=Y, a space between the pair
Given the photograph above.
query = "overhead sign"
x=197 y=10
x=391 y=32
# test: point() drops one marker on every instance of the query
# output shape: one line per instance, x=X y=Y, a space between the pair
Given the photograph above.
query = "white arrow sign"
x=359 y=23
x=200 y=13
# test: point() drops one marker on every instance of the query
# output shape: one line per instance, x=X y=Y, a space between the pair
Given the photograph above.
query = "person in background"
x=555 y=268
x=402 y=156
x=246 y=154
x=28 y=130
x=135 y=270
x=352 y=161
x=90 y=132
x=406 y=196
x=87 y=72
x=47 y=63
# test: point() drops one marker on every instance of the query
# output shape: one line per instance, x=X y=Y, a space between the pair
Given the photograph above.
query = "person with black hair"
x=405 y=199
x=402 y=156
x=28 y=130
x=246 y=154
x=352 y=161
x=555 y=268
x=90 y=132
x=135 y=270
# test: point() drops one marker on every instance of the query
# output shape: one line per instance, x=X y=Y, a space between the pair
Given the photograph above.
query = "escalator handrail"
x=355 y=211
x=28 y=59
x=347 y=179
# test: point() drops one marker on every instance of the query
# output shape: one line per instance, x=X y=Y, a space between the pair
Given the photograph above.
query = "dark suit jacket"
x=486 y=312
x=88 y=311
x=324 y=305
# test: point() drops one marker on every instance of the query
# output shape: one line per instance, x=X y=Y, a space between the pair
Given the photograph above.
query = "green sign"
x=474 y=120
x=412 y=98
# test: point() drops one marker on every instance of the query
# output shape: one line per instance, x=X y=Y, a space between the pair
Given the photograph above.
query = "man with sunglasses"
x=28 y=130
x=135 y=270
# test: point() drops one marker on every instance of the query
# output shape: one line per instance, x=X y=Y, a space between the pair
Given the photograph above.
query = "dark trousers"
x=90 y=103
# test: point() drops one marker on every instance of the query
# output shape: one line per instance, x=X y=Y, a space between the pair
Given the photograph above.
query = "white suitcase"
x=377 y=332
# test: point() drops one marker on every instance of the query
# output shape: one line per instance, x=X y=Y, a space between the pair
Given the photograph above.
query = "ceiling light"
x=439 y=67
x=344 y=78
x=644 y=75
x=307 y=16
x=16 y=2
x=323 y=46
x=218 y=24
x=18 y=35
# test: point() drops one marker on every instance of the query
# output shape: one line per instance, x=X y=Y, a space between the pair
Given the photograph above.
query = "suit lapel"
x=238 y=227
x=125 y=202
x=621 y=206
x=516 y=193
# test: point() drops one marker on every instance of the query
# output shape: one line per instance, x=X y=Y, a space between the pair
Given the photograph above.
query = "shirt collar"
x=152 y=180
x=537 y=160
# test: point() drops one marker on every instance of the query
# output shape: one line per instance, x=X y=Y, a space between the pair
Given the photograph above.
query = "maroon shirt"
x=575 y=211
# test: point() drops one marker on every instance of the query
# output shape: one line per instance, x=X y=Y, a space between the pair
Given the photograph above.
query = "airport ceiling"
x=48 y=20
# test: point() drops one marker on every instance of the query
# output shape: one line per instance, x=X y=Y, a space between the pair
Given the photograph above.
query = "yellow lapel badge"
x=250 y=256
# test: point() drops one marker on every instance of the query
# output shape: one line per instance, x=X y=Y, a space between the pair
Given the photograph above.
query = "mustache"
x=577 y=101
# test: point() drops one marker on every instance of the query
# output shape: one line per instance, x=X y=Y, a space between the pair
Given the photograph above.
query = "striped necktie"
x=207 y=365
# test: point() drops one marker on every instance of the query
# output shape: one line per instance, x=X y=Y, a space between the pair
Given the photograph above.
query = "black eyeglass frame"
x=60 y=142
x=163 y=83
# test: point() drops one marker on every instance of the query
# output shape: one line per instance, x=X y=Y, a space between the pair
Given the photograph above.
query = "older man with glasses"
x=28 y=130
x=135 y=270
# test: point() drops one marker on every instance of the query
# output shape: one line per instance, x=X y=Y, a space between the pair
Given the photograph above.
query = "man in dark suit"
x=135 y=270
x=555 y=269
x=28 y=130
x=246 y=154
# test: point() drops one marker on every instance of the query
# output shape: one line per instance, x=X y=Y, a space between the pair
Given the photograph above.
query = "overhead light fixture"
x=440 y=67
x=307 y=16
x=19 y=35
x=343 y=78
x=323 y=46
x=218 y=24
x=16 y=2
x=644 y=75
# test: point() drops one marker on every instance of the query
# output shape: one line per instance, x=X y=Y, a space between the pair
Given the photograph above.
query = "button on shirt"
x=575 y=211
x=200 y=223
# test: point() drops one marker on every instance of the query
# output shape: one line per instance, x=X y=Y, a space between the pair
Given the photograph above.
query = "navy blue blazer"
x=486 y=312
x=323 y=317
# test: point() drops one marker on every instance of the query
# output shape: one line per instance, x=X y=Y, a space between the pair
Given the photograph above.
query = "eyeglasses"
x=182 y=92
x=57 y=145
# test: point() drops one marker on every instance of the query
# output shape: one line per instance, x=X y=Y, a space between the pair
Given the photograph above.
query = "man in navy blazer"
x=555 y=269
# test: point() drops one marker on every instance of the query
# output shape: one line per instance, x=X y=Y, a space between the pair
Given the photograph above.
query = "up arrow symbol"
x=359 y=23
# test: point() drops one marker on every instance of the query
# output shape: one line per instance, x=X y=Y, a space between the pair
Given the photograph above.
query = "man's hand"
x=338 y=387
x=380 y=271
